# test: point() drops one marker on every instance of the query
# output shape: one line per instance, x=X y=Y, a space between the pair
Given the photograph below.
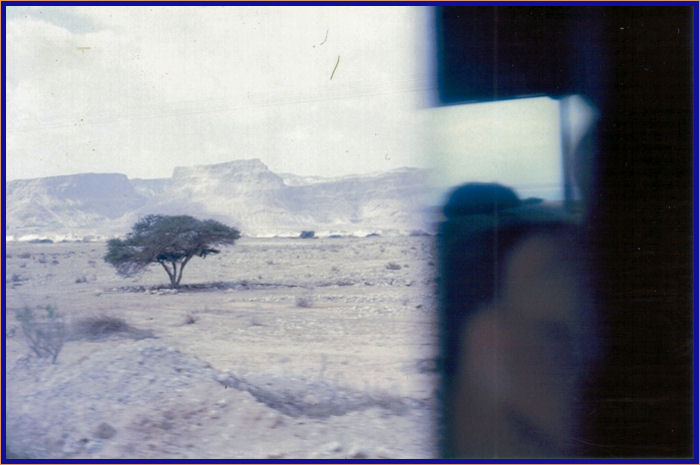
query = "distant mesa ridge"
x=242 y=193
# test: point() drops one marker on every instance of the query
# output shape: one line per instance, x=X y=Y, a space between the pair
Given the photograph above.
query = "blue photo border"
x=696 y=205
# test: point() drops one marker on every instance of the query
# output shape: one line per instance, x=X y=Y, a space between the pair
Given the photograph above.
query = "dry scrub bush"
x=191 y=319
x=304 y=302
x=45 y=332
x=101 y=327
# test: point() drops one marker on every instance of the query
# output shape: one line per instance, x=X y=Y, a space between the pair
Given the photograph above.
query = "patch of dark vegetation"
x=25 y=255
x=373 y=235
x=80 y=280
x=98 y=328
x=340 y=282
x=307 y=234
x=393 y=266
x=41 y=241
x=304 y=301
x=204 y=287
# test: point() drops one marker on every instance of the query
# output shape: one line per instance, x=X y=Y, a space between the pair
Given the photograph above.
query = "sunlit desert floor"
x=276 y=348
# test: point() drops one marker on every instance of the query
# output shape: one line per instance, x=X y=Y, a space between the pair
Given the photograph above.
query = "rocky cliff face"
x=61 y=204
x=242 y=193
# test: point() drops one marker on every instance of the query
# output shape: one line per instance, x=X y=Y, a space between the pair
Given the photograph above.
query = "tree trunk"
x=174 y=281
x=172 y=274
x=182 y=267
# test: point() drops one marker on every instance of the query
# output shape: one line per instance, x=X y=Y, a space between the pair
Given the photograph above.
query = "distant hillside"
x=242 y=193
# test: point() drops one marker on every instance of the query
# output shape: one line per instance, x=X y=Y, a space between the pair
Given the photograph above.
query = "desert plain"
x=276 y=348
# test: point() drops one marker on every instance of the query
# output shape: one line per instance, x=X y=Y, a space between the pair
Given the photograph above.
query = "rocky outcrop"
x=243 y=193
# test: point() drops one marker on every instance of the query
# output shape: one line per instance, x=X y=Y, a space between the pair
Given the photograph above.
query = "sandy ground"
x=283 y=348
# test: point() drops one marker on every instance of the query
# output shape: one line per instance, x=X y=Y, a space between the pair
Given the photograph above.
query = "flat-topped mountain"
x=243 y=193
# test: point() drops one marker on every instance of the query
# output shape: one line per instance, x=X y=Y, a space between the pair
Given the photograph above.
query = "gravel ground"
x=276 y=348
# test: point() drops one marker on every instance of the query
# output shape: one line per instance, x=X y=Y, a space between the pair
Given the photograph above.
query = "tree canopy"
x=170 y=241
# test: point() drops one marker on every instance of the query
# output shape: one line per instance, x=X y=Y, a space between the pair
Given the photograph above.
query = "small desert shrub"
x=255 y=321
x=304 y=301
x=41 y=241
x=104 y=325
x=80 y=280
x=42 y=260
x=101 y=327
x=393 y=266
x=25 y=255
x=16 y=278
x=191 y=319
x=307 y=234
x=44 y=331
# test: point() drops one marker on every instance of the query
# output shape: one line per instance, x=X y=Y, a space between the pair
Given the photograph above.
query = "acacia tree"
x=170 y=241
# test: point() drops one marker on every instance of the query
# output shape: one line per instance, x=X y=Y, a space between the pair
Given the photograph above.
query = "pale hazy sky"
x=140 y=90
